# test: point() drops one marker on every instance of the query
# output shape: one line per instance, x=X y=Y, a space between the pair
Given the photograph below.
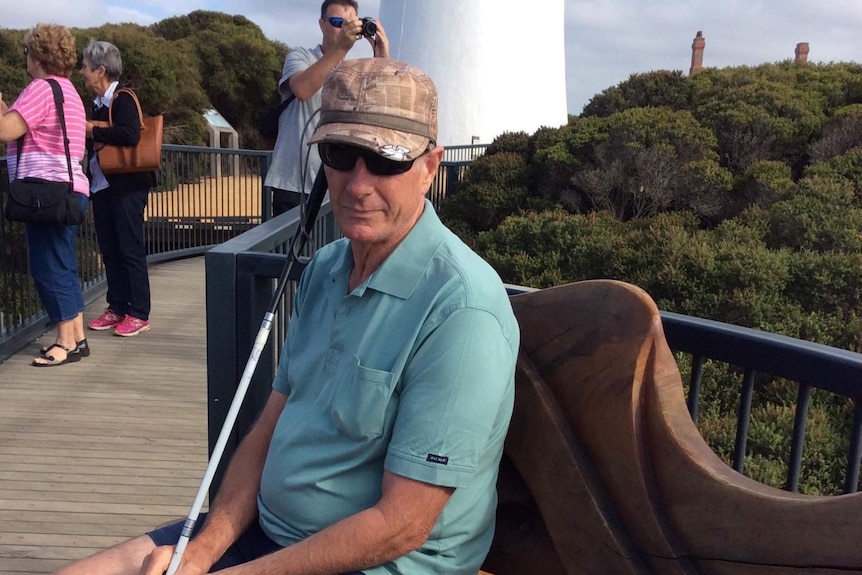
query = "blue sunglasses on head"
x=335 y=21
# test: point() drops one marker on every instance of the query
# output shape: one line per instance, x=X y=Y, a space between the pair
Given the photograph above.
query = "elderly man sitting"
x=378 y=449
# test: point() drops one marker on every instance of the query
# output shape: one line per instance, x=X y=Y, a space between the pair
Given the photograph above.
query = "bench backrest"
x=606 y=473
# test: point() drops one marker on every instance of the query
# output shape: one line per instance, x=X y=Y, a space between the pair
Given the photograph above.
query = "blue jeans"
x=252 y=544
x=54 y=267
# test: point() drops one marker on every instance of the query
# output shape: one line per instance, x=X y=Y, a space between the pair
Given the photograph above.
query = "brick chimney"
x=802 y=53
x=697 y=53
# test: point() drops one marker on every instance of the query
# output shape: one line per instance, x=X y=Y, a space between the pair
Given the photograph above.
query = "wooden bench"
x=604 y=471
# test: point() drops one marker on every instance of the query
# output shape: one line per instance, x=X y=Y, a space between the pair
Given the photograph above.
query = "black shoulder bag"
x=38 y=201
x=268 y=126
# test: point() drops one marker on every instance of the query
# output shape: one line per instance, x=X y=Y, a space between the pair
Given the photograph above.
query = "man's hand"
x=348 y=35
x=192 y=563
x=380 y=43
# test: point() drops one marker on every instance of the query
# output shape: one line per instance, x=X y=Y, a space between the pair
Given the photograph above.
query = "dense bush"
x=733 y=195
x=495 y=187
x=820 y=215
x=181 y=66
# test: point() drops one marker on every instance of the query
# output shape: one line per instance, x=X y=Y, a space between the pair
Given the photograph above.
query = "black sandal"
x=83 y=348
x=72 y=355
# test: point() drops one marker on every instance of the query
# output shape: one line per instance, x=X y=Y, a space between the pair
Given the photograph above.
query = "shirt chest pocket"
x=360 y=401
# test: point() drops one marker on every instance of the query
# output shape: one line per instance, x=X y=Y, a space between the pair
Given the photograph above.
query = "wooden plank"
x=59 y=438
x=108 y=522
x=112 y=446
x=94 y=479
x=106 y=470
x=60 y=529
x=165 y=496
x=122 y=426
x=45 y=541
x=101 y=446
x=15 y=566
x=59 y=487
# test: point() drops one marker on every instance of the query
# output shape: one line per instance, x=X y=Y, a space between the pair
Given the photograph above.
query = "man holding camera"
x=294 y=165
x=378 y=449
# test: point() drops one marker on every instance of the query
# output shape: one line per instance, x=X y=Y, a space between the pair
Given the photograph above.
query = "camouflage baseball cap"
x=383 y=105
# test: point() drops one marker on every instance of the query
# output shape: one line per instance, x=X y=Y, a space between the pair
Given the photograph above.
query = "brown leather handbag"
x=145 y=157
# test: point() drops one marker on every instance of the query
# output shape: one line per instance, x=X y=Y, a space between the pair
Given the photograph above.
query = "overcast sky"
x=606 y=40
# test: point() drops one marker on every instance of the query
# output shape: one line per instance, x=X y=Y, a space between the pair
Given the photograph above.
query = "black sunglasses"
x=342 y=157
x=335 y=21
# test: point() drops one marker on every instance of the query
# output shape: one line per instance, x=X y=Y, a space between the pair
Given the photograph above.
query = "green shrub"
x=847 y=166
x=494 y=188
x=763 y=183
x=819 y=215
x=512 y=142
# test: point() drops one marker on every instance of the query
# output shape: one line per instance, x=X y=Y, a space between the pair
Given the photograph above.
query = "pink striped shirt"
x=44 y=155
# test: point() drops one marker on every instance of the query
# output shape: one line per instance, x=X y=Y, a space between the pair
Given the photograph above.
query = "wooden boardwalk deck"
x=97 y=451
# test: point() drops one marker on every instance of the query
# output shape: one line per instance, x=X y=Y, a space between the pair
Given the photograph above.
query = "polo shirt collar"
x=405 y=267
x=105 y=101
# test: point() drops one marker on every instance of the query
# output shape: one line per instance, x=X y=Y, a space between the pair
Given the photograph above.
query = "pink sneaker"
x=107 y=320
x=131 y=326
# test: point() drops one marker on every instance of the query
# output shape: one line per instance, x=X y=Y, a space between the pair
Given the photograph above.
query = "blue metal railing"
x=810 y=365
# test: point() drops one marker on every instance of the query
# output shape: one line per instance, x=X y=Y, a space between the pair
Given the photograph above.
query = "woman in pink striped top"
x=32 y=120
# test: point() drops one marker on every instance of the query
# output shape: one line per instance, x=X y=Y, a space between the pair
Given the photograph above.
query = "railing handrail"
x=832 y=369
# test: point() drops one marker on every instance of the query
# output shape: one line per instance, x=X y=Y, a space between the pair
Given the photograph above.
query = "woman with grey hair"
x=118 y=199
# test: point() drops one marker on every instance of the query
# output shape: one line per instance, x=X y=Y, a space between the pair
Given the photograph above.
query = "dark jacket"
x=125 y=131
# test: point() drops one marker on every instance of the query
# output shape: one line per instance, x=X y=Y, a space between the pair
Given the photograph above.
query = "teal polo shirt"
x=412 y=372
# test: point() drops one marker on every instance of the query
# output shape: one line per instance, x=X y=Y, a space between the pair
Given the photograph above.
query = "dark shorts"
x=252 y=544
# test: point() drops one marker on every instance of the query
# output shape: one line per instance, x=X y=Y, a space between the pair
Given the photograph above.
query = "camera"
x=369 y=28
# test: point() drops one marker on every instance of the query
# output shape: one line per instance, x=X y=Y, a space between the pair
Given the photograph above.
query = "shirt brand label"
x=437 y=459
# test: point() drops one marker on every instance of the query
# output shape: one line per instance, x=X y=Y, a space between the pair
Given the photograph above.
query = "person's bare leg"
x=78 y=324
x=124 y=559
x=65 y=337
x=66 y=333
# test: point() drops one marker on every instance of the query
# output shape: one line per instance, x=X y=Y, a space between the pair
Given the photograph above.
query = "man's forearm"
x=399 y=523
x=305 y=84
x=354 y=543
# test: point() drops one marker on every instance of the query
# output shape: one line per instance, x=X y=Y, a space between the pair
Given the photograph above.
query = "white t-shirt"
x=295 y=127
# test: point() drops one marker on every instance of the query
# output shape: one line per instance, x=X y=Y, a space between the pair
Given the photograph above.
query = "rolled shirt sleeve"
x=457 y=392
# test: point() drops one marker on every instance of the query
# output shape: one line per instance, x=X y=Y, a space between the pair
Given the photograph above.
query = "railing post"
x=254 y=293
x=451 y=179
x=266 y=197
x=744 y=418
x=694 y=386
x=854 y=455
x=803 y=399
x=221 y=344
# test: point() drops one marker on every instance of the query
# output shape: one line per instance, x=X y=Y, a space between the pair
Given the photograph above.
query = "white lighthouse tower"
x=498 y=67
